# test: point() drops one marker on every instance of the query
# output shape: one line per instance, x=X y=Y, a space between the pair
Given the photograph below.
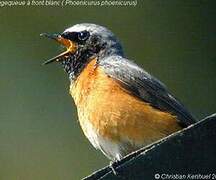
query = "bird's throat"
x=75 y=63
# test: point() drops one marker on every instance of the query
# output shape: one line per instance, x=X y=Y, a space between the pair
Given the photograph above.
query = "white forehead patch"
x=92 y=28
x=77 y=28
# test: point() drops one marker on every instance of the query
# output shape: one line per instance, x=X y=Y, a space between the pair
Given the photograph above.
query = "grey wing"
x=144 y=86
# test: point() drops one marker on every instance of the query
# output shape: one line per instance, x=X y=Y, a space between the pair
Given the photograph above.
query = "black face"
x=79 y=37
x=88 y=47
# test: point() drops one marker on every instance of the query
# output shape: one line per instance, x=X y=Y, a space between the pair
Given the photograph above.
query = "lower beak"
x=71 y=47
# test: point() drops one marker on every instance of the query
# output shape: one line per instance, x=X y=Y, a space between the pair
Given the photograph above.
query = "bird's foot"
x=112 y=166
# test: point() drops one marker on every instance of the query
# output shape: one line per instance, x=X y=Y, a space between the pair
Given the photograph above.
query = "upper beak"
x=71 y=46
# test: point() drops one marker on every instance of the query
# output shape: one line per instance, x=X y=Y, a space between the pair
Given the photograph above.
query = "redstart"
x=120 y=106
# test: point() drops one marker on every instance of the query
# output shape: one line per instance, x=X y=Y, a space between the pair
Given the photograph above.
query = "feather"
x=145 y=87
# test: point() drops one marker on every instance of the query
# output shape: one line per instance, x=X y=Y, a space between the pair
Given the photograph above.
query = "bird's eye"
x=83 y=35
x=76 y=36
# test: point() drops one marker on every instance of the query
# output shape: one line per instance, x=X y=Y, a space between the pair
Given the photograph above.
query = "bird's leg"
x=112 y=167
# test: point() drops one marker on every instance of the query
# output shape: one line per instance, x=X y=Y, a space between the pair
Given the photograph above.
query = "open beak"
x=70 y=47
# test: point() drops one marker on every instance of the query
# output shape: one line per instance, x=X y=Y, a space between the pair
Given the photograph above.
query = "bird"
x=121 y=107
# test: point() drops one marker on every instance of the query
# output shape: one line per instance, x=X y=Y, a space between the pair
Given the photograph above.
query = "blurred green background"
x=40 y=138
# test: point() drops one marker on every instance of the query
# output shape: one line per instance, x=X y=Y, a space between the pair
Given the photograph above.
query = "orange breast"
x=116 y=114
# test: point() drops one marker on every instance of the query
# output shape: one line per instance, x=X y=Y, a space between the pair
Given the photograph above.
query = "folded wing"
x=145 y=87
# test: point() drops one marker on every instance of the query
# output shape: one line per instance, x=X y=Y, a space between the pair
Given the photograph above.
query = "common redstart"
x=120 y=106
